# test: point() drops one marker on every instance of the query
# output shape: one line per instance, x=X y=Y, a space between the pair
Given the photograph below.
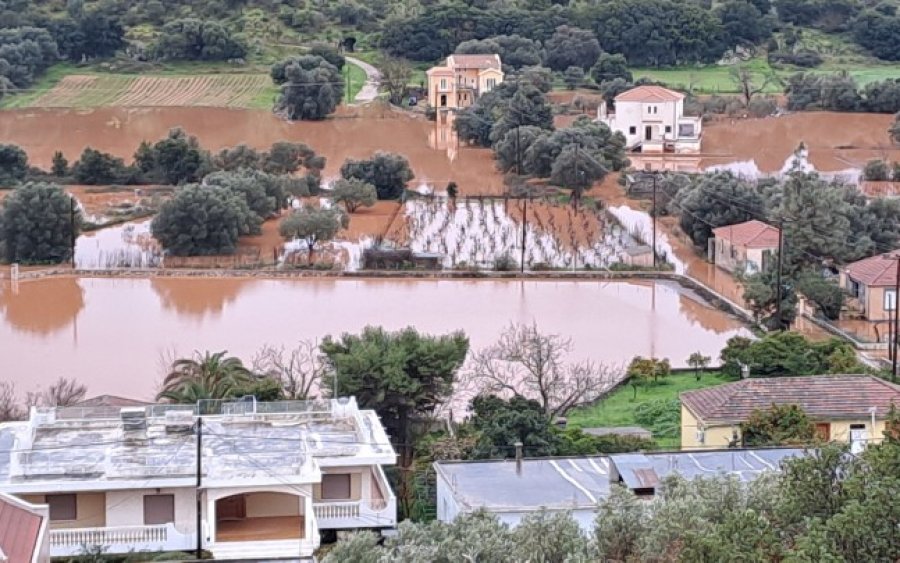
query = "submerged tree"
x=311 y=87
x=39 y=223
x=388 y=172
x=203 y=220
x=313 y=225
x=353 y=194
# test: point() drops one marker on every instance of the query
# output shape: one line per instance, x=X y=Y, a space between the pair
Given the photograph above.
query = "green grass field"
x=618 y=408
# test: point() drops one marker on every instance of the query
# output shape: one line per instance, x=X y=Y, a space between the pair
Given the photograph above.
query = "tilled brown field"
x=221 y=90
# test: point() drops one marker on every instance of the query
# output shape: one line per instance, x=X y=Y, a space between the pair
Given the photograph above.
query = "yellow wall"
x=720 y=436
x=272 y=504
x=90 y=508
x=875 y=310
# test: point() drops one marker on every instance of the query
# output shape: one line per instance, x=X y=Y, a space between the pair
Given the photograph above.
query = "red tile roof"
x=877 y=271
x=649 y=94
x=474 y=61
x=20 y=530
x=752 y=234
x=823 y=397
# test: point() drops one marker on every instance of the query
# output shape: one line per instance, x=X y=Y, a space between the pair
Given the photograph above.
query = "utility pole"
x=653 y=248
x=778 y=288
x=893 y=344
x=524 y=223
x=199 y=553
x=72 y=228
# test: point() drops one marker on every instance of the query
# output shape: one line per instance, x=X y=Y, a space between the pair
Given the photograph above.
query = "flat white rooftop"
x=243 y=441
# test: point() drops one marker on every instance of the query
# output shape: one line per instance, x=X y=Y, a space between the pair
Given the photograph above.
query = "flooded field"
x=111 y=334
x=355 y=132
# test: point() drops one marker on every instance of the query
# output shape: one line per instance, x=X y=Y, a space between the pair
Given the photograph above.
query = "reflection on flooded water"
x=119 y=131
x=42 y=309
x=120 y=328
x=129 y=245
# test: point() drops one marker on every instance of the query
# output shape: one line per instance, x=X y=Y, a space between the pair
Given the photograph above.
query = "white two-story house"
x=247 y=480
x=652 y=120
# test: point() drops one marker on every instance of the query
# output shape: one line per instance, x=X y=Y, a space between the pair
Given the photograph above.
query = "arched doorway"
x=259 y=516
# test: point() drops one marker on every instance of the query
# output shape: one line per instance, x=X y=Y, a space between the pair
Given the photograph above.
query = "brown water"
x=355 y=133
x=112 y=334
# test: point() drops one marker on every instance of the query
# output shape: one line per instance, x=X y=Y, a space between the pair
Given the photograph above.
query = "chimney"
x=518 y=457
x=745 y=371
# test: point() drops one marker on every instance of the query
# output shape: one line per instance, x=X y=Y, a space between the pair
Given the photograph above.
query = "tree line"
x=516 y=121
x=221 y=197
x=825 y=222
x=824 y=505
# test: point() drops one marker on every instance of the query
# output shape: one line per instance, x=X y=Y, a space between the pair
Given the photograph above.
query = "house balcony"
x=378 y=508
x=68 y=542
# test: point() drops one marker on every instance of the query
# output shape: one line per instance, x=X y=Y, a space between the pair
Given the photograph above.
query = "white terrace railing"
x=119 y=539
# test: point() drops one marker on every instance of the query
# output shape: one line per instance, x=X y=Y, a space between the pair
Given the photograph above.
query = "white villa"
x=265 y=477
x=653 y=121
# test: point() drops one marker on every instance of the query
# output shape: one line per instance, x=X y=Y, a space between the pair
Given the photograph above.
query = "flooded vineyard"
x=115 y=334
x=480 y=232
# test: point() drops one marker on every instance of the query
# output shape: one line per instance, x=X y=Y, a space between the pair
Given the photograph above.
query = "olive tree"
x=353 y=193
x=13 y=165
x=313 y=225
x=203 y=220
x=388 y=172
x=39 y=223
x=311 y=87
x=264 y=193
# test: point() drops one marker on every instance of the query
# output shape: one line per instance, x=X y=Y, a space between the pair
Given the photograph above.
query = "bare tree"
x=526 y=362
x=749 y=85
x=395 y=75
x=63 y=393
x=10 y=409
x=299 y=369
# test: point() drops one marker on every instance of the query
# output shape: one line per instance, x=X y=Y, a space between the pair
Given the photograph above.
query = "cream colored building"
x=462 y=79
x=871 y=283
x=844 y=408
x=265 y=477
x=652 y=120
x=745 y=248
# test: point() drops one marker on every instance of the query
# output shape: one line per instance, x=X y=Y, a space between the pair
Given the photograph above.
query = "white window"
x=890 y=300
x=336 y=486
x=490 y=83
x=858 y=438
x=443 y=83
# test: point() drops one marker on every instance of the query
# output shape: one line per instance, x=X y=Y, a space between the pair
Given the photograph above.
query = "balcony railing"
x=119 y=539
x=356 y=513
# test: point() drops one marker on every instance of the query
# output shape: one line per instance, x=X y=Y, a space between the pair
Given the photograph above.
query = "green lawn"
x=356 y=76
x=715 y=79
x=618 y=408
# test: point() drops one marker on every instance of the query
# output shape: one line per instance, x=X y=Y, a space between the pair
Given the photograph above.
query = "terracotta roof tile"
x=474 y=61
x=649 y=94
x=20 y=530
x=876 y=271
x=751 y=234
x=823 y=397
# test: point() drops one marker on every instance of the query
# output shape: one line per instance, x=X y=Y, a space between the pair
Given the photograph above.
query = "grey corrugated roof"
x=640 y=471
x=560 y=483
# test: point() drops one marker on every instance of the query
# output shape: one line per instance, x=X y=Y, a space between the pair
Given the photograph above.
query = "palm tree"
x=206 y=376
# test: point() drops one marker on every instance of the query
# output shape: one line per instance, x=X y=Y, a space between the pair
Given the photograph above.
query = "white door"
x=858 y=438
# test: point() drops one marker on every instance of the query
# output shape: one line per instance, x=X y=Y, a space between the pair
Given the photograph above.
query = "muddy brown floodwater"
x=353 y=132
x=111 y=334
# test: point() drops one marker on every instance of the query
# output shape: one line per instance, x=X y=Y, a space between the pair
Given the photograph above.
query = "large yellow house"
x=844 y=408
x=462 y=79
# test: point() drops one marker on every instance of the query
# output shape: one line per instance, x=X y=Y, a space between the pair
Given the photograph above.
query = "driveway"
x=373 y=79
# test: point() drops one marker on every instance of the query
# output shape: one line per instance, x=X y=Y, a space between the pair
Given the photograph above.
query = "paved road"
x=373 y=79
